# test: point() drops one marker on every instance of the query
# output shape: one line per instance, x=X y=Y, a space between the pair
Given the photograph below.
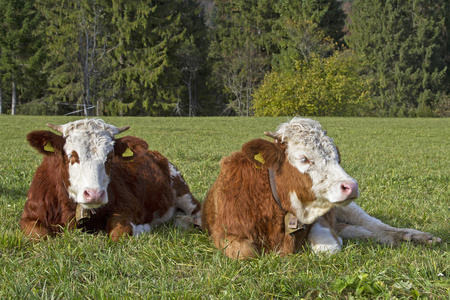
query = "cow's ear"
x=264 y=154
x=128 y=147
x=46 y=142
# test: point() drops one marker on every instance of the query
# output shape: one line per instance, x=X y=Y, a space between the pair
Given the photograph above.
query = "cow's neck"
x=291 y=222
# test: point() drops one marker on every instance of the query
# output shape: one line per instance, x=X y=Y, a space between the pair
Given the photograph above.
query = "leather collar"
x=291 y=223
x=273 y=187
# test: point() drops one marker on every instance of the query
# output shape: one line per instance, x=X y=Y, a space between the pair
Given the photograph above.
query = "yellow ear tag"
x=48 y=147
x=259 y=157
x=128 y=153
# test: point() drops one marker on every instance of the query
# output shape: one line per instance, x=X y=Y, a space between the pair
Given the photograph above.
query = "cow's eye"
x=303 y=160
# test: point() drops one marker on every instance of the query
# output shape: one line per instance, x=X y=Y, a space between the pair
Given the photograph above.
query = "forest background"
x=225 y=57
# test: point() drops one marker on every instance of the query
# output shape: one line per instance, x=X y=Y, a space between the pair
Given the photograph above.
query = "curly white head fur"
x=312 y=152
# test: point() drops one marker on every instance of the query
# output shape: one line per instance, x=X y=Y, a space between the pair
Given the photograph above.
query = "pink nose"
x=350 y=189
x=94 y=196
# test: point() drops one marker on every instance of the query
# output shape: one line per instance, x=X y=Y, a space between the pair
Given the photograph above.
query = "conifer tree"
x=305 y=28
x=77 y=41
x=403 y=40
x=446 y=39
x=21 y=52
x=241 y=48
x=190 y=59
x=148 y=34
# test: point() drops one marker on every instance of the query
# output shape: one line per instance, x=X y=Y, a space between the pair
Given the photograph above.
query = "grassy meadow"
x=402 y=167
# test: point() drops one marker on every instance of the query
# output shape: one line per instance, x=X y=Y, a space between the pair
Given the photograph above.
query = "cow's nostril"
x=350 y=189
x=87 y=195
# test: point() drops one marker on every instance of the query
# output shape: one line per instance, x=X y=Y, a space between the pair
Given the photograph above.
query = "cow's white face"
x=311 y=152
x=89 y=146
x=87 y=154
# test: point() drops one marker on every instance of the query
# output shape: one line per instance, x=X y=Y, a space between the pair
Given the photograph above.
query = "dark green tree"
x=122 y=57
x=190 y=59
x=21 y=52
x=148 y=34
x=240 y=50
x=78 y=40
x=403 y=40
x=305 y=28
x=442 y=107
x=190 y=62
x=1 y=96
x=446 y=38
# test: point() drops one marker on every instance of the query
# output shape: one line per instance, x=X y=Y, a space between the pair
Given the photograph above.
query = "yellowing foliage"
x=329 y=86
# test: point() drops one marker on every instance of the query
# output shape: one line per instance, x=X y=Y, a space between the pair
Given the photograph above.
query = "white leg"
x=358 y=224
x=323 y=240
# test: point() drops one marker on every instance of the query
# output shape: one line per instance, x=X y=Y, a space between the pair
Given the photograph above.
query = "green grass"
x=402 y=167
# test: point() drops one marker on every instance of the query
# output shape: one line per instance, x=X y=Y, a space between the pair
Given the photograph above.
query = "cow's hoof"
x=140 y=229
x=434 y=240
x=421 y=238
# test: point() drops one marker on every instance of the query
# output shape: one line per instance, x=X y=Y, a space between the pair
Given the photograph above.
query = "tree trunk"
x=13 y=97
x=86 y=75
x=191 y=109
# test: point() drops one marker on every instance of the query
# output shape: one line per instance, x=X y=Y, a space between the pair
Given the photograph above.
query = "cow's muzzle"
x=93 y=198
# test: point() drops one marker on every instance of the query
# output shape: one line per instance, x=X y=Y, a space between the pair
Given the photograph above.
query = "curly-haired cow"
x=282 y=195
x=92 y=180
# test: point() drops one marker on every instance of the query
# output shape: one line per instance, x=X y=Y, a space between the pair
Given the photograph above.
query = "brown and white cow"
x=92 y=180
x=282 y=195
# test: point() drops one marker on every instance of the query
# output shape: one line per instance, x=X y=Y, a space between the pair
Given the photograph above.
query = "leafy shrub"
x=319 y=86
